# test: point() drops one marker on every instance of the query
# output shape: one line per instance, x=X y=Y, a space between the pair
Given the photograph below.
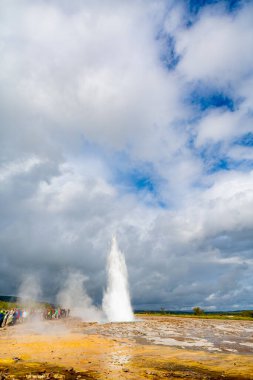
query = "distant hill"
x=10 y=299
x=7 y=302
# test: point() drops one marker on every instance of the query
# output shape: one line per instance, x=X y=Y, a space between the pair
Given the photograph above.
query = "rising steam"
x=73 y=296
x=116 y=301
x=29 y=290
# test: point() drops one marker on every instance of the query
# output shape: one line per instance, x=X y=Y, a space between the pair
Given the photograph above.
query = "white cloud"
x=217 y=126
x=217 y=47
x=22 y=166
x=94 y=72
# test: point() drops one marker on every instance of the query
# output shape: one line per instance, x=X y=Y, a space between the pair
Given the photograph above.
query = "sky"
x=132 y=118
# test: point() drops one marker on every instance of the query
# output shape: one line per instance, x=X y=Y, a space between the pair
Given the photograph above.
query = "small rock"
x=16 y=359
x=150 y=373
x=42 y=372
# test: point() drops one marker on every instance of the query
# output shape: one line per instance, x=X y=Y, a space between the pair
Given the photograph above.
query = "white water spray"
x=116 y=301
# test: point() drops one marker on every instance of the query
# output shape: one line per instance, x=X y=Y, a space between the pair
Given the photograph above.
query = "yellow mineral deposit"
x=72 y=349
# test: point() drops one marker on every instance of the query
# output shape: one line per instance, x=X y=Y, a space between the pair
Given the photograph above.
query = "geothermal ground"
x=150 y=348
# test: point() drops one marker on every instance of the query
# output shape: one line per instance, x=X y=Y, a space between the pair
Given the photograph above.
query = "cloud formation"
x=130 y=118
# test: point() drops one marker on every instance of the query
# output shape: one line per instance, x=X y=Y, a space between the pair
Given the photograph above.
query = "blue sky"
x=196 y=6
x=136 y=119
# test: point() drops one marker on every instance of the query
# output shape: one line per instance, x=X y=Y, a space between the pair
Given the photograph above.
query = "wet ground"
x=200 y=334
x=151 y=348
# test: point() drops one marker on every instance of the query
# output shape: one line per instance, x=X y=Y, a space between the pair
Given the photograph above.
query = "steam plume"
x=73 y=296
x=30 y=290
x=116 y=301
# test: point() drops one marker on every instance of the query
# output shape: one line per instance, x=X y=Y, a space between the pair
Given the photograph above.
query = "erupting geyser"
x=116 y=301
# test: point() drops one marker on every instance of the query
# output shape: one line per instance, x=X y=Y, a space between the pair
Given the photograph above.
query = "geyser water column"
x=116 y=301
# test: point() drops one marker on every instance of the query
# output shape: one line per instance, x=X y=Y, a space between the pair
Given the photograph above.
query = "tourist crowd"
x=14 y=316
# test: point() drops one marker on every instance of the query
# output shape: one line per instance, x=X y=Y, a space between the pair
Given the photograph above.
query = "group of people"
x=56 y=313
x=14 y=316
x=11 y=317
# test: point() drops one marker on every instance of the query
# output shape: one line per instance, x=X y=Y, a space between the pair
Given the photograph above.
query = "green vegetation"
x=247 y=313
x=7 y=303
x=198 y=311
x=229 y=315
x=4 y=305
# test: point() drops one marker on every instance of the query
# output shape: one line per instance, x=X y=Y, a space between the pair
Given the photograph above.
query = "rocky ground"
x=199 y=334
x=150 y=348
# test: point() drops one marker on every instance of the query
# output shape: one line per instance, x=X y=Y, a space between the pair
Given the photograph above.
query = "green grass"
x=242 y=316
x=4 y=305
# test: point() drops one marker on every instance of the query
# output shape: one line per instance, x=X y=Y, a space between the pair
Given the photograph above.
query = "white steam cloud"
x=30 y=290
x=73 y=296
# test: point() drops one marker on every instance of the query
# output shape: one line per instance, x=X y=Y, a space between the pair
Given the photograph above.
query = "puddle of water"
x=248 y=344
x=174 y=342
x=231 y=350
